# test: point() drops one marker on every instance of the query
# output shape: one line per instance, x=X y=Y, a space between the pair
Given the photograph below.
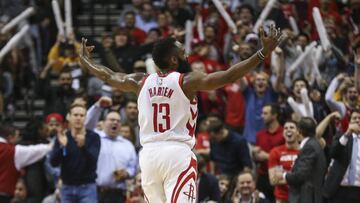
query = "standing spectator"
x=228 y=150
x=317 y=111
x=283 y=158
x=306 y=176
x=53 y=121
x=256 y=98
x=117 y=159
x=349 y=100
x=245 y=189
x=235 y=107
x=266 y=140
x=76 y=151
x=343 y=183
x=13 y=158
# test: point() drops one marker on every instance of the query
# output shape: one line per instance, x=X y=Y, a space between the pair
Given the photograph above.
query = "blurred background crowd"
x=246 y=132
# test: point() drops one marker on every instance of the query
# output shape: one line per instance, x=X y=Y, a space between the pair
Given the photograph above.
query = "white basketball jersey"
x=165 y=113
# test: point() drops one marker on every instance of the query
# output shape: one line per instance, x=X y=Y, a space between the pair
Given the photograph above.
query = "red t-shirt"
x=282 y=156
x=202 y=141
x=139 y=35
x=267 y=141
x=235 y=107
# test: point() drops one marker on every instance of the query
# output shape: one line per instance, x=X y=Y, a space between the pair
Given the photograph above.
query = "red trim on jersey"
x=178 y=186
x=181 y=80
x=142 y=82
x=160 y=74
x=146 y=199
x=194 y=101
x=190 y=128
x=193 y=114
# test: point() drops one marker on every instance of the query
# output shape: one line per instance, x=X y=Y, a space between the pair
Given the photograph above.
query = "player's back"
x=165 y=113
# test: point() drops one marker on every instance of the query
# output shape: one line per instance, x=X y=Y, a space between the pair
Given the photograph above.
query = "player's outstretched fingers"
x=261 y=32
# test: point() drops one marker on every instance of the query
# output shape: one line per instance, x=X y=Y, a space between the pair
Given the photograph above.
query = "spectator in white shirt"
x=15 y=157
x=117 y=159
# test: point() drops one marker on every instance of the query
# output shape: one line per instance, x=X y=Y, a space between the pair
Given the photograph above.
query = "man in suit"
x=306 y=177
x=208 y=184
x=342 y=183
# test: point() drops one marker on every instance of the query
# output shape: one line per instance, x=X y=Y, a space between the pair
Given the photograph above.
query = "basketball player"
x=168 y=111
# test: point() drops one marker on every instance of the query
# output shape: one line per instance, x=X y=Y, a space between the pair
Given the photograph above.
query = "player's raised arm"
x=196 y=81
x=122 y=81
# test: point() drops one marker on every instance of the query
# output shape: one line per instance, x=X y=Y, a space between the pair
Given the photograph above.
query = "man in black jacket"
x=77 y=151
x=306 y=177
x=208 y=183
x=342 y=183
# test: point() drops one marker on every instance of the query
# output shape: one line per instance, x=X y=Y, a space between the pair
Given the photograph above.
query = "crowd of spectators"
x=255 y=141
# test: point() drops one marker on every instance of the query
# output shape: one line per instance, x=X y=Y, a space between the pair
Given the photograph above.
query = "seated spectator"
x=58 y=99
x=208 y=184
x=179 y=14
x=130 y=21
x=135 y=193
x=244 y=189
x=55 y=197
x=127 y=132
x=125 y=52
x=164 y=21
x=145 y=19
x=20 y=194
x=224 y=186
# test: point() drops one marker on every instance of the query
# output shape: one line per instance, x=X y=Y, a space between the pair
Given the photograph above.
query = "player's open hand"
x=85 y=51
x=270 y=40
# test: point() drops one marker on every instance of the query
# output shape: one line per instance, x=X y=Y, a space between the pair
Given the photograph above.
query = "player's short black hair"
x=162 y=51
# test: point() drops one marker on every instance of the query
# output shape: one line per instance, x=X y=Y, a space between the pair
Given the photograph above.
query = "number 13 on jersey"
x=161 y=117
